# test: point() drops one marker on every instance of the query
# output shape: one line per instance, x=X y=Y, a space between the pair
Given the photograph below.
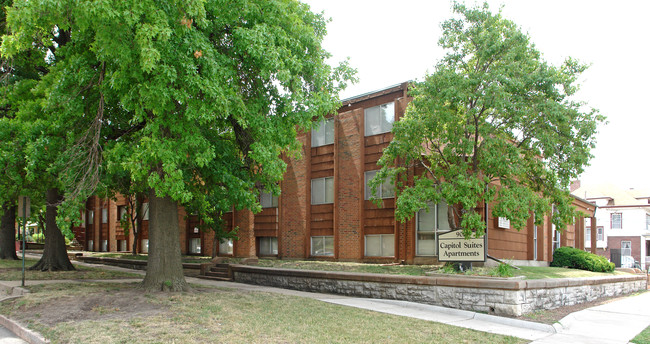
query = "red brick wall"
x=614 y=242
x=293 y=235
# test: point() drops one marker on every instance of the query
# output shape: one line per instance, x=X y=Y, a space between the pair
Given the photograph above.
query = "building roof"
x=617 y=196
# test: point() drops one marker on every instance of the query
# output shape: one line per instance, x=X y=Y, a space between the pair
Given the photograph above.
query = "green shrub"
x=578 y=259
x=502 y=270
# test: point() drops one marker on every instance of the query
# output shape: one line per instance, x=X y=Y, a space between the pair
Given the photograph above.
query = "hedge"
x=578 y=259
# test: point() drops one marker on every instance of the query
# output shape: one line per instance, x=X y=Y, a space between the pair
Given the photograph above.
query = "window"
x=195 y=245
x=121 y=212
x=323 y=133
x=322 y=246
x=122 y=245
x=617 y=220
x=145 y=211
x=385 y=190
x=90 y=245
x=599 y=233
x=104 y=247
x=380 y=245
x=379 y=119
x=534 y=239
x=225 y=247
x=91 y=217
x=556 y=239
x=588 y=234
x=504 y=222
x=104 y=215
x=429 y=223
x=84 y=218
x=267 y=200
x=322 y=190
x=647 y=221
x=145 y=246
x=626 y=248
x=268 y=246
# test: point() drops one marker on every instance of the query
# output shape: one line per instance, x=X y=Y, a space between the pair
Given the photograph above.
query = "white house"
x=622 y=222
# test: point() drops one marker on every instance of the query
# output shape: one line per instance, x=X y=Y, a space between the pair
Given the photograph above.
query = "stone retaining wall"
x=491 y=295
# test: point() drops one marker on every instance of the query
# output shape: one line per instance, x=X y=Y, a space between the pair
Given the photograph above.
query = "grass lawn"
x=539 y=272
x=643 y=337
x=11 y=270
x=121 y=313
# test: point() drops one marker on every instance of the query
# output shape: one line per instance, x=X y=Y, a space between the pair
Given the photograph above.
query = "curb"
x=23 y=332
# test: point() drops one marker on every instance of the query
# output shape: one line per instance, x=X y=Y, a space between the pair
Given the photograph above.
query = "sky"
x=390 y=42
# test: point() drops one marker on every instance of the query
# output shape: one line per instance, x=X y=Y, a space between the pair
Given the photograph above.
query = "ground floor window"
x=195 y=245
x=322 y=246
x=90 y=245
x=380 y=245
x=268 y=246
x=145 y=246
x=556 y=239
x=122 y=245
x=600 y=233
x=226 y=247
x=534 y=242
x=104 y=246
x=430 y=222
x=626 y=248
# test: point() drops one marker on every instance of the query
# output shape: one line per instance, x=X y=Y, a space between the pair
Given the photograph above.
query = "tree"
x=493 y=124
x=195 y=100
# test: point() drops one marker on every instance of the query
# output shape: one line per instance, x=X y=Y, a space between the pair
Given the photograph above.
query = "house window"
x=195 y=245
x=268 y=246
x=385 y=189
x=121 y=212
x=599 y=233
x=379 y=119
x=380 y=245
x=626 y=248
x=617 y=220
x=504 y=222
x=104 y=247
x=323 y=133
x=556 y=239
x=226 y=247
x=91 y=217
x=84 y=218
x=267 y=200
x=145 y=211
x=647 y=221
x=144 y=246
x=90 y=245
x=588 y=234
x=322 y=246
x=430 y=222
x=534 y=242
x=322 y=190
x=104 y=215
x=122 y=245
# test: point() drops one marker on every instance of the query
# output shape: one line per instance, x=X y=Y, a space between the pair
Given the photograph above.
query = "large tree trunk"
x=55 y=254
x=8 y=232
x=165 y=265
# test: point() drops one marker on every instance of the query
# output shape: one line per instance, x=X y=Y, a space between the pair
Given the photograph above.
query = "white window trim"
x=380 y=189
x=382 y=130
x=313 y=252
x=381 y=244
x=325 y=201
x=322 y=129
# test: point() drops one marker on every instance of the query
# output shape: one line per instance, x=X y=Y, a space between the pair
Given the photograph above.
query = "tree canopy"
x=192 y=100
x=494 y=123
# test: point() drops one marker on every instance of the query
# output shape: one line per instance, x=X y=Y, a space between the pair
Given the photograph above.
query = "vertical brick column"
x=245 y=246
x=97 y=222
x=594 y=233
x=350 y=195
x=113 y=221
x=293 y=233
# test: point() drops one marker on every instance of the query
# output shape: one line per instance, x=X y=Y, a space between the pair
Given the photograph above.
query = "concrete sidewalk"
x=615 y=322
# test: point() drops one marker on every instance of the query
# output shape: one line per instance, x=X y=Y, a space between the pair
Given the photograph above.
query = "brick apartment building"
x=324 y=211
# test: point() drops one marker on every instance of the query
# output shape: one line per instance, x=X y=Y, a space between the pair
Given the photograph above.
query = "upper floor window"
x=323 y=133
x=104 y=215
x=379 y=119
x=322 y=190
x=268 y=200
x=145 y=211
x=617 y=220
x=385 y=189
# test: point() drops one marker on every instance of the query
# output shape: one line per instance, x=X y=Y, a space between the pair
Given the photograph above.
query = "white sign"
x=453 y=247
x=24 y=203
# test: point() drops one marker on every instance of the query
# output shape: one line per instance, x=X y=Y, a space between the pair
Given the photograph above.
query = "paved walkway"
x=615 y=322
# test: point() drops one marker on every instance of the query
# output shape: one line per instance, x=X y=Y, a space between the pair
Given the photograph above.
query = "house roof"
x=618 y=196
